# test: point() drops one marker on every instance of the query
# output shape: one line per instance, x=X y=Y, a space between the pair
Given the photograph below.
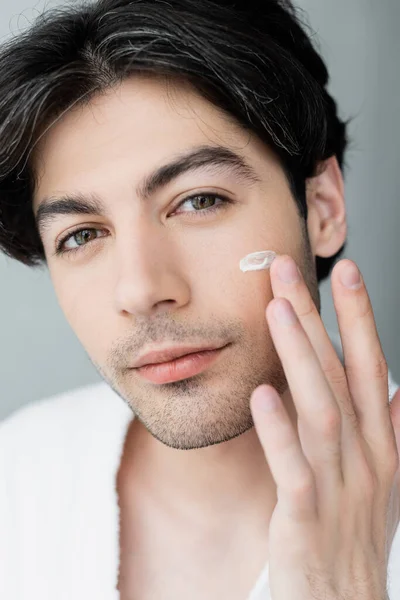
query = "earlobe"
x=326 y=222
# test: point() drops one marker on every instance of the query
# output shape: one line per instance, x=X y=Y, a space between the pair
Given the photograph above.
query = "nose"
x=148 y=276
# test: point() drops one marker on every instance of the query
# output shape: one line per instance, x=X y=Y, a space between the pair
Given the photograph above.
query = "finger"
x=289 y=467
x=315 y=403
x=287 y=282
x=365 y=363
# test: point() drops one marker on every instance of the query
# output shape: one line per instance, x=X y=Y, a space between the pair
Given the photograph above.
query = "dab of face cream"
x=257 y=261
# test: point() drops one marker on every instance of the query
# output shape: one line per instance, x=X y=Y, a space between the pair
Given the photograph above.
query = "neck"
x=222 y=481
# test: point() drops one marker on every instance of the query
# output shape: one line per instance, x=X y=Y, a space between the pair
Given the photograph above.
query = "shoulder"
x=52 y=431
x=58 y=457
x=51 y=416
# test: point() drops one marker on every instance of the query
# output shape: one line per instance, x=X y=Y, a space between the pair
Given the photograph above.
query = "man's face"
x=165 y=270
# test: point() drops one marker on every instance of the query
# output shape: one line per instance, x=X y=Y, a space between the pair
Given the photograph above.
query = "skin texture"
x=156 y=273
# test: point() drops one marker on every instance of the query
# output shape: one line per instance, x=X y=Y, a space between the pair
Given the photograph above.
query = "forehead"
x=128 y=130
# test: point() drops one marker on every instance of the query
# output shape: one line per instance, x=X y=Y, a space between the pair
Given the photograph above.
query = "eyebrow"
x=215 y=158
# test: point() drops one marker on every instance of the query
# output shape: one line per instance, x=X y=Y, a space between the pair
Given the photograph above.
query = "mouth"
x=180 y=368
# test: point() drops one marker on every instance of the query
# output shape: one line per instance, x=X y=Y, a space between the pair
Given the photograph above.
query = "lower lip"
x=180 y=368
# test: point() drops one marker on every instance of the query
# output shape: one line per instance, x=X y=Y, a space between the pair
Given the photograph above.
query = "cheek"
x=225 y=289
x=244 y=297
x=82 y=305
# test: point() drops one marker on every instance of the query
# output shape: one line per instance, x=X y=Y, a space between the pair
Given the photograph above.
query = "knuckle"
x=331 y=424
x=378 y=369
x=330 y=361
x=332 y=366
x=365 y=310
x=381 y=368
x=303 y=487
x=338 y=377
x=309 y=309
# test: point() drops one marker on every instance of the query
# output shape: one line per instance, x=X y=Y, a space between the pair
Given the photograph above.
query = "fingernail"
x=288 y=271
x=350 y=277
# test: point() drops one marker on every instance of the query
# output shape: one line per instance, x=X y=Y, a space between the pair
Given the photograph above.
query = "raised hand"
x=337 y=472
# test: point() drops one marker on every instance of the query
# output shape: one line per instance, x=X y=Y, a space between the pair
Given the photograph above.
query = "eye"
x=202 y=200
x=60 y=248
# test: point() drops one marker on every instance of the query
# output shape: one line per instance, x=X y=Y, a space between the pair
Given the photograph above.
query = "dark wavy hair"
x=255 y=60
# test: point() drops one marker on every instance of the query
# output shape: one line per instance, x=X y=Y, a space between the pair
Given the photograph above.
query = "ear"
x=326 y=222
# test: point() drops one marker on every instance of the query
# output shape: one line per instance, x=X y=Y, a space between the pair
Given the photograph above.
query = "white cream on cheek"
x=256 y=261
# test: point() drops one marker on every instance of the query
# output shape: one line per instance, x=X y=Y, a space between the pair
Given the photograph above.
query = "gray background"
x=39 y=353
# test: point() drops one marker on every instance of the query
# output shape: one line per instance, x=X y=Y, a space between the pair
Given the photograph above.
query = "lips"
x=169 y=354
x=185 y=367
